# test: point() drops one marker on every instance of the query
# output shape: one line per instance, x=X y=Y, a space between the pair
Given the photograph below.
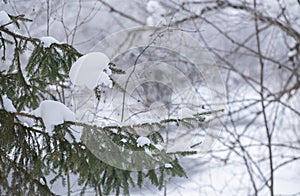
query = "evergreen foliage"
x=31 y=160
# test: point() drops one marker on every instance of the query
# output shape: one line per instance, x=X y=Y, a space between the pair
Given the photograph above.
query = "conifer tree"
x=32 y=159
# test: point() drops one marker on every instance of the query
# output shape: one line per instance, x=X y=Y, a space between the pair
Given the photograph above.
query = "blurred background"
x=256 y=45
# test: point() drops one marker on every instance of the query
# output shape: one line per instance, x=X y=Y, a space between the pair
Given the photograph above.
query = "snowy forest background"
x=256 y=45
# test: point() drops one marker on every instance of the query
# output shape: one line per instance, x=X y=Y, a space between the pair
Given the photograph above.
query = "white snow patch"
x=9 y=107
x=91 y=70
x=7 y=104
x=159 y=146
x=150 y=21
x=148 y=152
x=292 y=53
x=26 y=120
x=142 y=141
x=168 y=166
x=26 y=78
x=53 y=113
x=47 y=41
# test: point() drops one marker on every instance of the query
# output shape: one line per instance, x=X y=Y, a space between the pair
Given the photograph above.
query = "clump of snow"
x=4 y=20
x=159 y=146
x=47 y=41
x=9 y=107
x=91 y=70
x=53 y=113
x=292 y=53
x=168 y=166
x=148 y=152
x=142 y=141
x=7 y=104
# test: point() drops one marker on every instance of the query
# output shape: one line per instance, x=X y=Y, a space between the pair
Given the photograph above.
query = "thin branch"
x=269 y=136
x=112 y=9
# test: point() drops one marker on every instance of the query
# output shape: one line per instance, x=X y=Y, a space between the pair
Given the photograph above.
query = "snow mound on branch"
x=142 y=141
x=4 y=19
x=53 y=113
x=9 y=107
x=47 y=41
x=7 y=104
x=168 y=166
x=91 y=70
x=292 y=53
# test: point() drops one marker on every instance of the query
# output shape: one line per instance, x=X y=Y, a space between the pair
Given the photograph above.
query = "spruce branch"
x=111 y=128
x=34 y=41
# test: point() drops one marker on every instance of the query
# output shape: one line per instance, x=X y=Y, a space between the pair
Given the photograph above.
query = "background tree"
x=38 y=145
x=256 y=44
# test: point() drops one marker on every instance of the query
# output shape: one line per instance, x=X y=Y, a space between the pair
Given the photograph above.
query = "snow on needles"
x=91 y=70
x=7 y=104
x=9 y=107
x=168 y=166
x=47 y=41
x=142 y=141
x=53 y=113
